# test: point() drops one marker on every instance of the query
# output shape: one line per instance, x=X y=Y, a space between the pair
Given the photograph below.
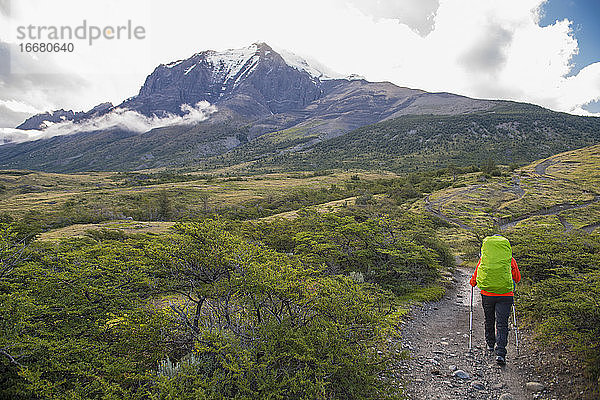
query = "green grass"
x=582 y=217
x=425 y=294
x=481 y=202
x=580 y=166
x=95 y=197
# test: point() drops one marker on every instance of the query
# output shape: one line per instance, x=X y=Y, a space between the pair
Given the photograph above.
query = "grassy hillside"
x=48 y=200
x=508 y=133
x=563 y=188
x=423 y=142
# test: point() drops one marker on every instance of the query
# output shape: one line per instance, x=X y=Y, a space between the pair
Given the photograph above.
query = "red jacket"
x=516 y=276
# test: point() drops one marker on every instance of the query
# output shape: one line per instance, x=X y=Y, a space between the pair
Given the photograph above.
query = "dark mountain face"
x=258 y=85
x=252 y=82
x=269 y=104
x=39 y=121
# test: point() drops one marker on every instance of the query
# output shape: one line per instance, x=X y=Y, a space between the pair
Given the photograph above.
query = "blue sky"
x=585 y=15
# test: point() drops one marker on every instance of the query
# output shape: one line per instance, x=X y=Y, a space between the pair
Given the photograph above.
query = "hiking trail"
x=436 y=207
x=436 y=336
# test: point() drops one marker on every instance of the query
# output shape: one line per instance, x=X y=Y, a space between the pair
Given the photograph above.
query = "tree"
x=453 y=169
x=12 y=248
x=489 y=166
x=269 y=325
x=165 y=210
x=204 y=197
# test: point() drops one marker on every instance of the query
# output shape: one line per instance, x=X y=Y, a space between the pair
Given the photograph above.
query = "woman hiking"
x=495 y=275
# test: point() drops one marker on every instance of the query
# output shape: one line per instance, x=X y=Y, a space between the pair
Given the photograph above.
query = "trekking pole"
x=471 y=322
x=515 y=320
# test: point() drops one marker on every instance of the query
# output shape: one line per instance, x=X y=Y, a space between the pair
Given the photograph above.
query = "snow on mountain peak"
x=235 y=64
x=312 y=67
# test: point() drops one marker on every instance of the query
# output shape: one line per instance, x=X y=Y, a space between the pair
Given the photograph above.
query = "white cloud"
x=478 y=48
x=33 y=92
x=14 y=135
x=581 y=89
x=417 y=14
x=18 y=106
x=120 y=118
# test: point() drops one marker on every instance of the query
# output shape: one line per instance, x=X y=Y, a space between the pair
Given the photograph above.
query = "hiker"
x=495 y=275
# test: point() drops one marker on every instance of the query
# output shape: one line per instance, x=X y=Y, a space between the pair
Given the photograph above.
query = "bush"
x=294 y=309
x=274 y=327
x=561 y=299
x=399 y=254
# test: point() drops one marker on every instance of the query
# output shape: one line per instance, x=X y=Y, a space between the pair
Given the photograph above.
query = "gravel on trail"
x=439 y=366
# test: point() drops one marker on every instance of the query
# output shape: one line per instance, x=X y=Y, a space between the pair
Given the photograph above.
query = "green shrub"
x=561 y=298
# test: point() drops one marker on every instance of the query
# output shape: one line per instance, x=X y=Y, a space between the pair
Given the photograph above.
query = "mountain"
x=276 y=90
x=269 y=105
x=42 y=121
x=251 y=82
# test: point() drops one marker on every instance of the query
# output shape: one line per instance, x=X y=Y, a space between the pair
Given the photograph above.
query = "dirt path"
x=553 y=210
x=435 y=207
x=540 y=169
x=437 y=337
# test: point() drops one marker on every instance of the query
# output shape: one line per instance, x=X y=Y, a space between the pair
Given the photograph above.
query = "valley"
x=549 y=206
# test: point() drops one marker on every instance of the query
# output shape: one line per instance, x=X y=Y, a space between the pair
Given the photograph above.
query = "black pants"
x=497 y=311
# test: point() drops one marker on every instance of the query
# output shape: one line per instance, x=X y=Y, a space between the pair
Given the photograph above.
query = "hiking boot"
x=501 y=360
x=490 y=349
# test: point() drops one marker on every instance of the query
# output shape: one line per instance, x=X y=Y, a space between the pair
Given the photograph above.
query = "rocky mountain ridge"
x=258 y=85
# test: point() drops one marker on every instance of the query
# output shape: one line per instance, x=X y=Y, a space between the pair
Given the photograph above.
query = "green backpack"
x=494 y=274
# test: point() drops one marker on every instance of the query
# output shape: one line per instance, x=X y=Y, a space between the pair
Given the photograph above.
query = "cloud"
x=419 y=15
x=31 y=93
x=5 y=7
x=17 y=106
x=120 y=118
x=489 y=53
x=9 y=117
x=497 y=50
x=575 y=92
x=109 y=71
x=13 y=135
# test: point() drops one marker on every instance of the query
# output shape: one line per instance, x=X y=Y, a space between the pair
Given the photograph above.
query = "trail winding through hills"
x=554 y=210
x=435 y=207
